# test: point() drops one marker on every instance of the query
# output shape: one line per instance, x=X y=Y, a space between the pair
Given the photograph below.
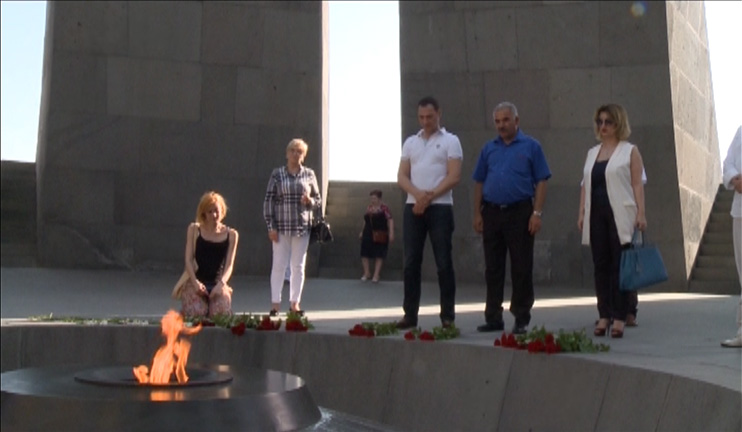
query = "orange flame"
x=163 y=364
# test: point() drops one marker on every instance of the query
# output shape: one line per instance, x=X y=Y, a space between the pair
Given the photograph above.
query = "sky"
x=364 y=65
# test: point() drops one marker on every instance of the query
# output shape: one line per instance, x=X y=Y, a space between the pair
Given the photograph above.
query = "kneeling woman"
x=209 y=260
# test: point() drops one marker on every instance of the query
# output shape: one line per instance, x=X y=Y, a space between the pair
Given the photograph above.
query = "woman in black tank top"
x=209 y=260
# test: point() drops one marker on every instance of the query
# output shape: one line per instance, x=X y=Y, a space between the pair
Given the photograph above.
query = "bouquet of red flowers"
x=371 y=329
x=438 y=333
x=539 y=340
x=267 y=324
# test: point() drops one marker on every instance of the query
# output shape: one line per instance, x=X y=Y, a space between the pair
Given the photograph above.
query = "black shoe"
x=491 y=327
x=520 y=329
x=446 y=324
x=405 y=324
x=273 y=313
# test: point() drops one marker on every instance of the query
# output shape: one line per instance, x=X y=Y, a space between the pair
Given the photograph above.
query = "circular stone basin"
x=222 y=397
x=123 y=376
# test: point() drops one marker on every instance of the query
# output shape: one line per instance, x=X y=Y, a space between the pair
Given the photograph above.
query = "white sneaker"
x=735 y=342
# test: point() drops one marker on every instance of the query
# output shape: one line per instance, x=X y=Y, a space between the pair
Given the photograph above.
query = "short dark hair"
x=428 y=100
x=376 y=192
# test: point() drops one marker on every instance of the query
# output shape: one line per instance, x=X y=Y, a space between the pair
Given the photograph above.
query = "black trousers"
x=506 y=231
x=606 y=250
x=438 y=224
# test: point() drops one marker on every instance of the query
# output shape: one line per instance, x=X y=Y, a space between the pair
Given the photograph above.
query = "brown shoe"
x=405 y=324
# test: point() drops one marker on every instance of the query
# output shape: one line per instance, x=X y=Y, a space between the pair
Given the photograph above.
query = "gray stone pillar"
x=558 y=61
x=146 y=105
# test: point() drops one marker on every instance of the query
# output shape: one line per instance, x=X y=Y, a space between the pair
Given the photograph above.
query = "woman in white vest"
x=611 y=208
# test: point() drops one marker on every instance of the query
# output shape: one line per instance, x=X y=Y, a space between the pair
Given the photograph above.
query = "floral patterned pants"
x=197 y=305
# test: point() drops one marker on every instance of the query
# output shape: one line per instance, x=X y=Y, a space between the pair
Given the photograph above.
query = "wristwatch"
x=537 y=213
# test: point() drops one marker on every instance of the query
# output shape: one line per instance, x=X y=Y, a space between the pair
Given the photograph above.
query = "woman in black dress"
x=377 y=233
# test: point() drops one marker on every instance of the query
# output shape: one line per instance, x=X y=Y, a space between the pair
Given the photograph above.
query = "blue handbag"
x=641 y=265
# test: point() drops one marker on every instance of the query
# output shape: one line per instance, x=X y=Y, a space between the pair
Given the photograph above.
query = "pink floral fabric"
x=196 y=305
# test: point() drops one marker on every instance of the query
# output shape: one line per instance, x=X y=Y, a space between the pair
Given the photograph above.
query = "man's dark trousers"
x=436 y=221
x=506 y=231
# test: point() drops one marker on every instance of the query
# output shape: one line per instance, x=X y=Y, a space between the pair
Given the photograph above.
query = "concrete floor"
x=677 y=333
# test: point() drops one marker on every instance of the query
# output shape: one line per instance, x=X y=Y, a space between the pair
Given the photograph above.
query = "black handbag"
x=320 y=232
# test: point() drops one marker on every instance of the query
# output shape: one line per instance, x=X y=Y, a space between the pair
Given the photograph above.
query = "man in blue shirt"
x=509 y=196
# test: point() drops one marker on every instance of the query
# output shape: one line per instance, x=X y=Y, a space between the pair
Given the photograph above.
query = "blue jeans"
x=437 y=221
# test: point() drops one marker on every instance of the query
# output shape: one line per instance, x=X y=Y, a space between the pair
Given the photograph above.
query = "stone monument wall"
x=147 y=105
x=558 y=61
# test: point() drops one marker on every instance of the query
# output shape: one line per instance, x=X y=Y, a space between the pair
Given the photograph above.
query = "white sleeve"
x=454 y=148
x=732 y=163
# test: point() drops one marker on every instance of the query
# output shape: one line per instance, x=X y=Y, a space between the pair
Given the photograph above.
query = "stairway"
x=18 y=214
x=346 y=204
x=714 y=270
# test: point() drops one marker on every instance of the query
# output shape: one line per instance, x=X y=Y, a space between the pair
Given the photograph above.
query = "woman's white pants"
x=289 y=251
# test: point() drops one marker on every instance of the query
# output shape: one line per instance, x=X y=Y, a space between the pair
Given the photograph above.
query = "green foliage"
x=578 y=341
x=381 y=329
x=92 y=321
x=442 y=333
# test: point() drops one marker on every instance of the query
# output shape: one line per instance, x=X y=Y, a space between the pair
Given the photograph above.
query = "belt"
x=509 y=206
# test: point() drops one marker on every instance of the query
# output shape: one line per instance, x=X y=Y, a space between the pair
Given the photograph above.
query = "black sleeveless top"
x=210 y=257
x=598 y=186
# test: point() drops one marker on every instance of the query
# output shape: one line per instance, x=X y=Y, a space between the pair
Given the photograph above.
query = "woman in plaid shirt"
x=291 y=197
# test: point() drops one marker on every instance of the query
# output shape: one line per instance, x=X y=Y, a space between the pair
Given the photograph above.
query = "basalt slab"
x=217 y=397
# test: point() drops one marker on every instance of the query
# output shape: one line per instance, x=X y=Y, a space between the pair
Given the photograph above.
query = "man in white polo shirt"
x=429 y=168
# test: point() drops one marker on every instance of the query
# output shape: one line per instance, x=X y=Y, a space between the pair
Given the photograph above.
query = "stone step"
x=726 y=249
x=715 y=274
x=715 y=287
x=720 y=224
x=715 y=262
x=719 y=217
x=722 y=206
x=718 y=238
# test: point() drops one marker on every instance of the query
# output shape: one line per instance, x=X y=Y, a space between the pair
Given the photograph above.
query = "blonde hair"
x=298 y=142
x=207 y=200
x=620 y=118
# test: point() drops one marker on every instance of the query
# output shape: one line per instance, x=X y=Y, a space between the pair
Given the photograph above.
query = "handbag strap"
x=371 y=219
x=639 y=238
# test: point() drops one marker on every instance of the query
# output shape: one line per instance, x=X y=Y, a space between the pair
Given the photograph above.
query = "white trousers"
x=737 y=238
x=289 y=251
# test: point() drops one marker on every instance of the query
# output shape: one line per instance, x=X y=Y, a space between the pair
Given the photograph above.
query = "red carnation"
x=409 y=336
x=239 y=329
x=426 y=336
